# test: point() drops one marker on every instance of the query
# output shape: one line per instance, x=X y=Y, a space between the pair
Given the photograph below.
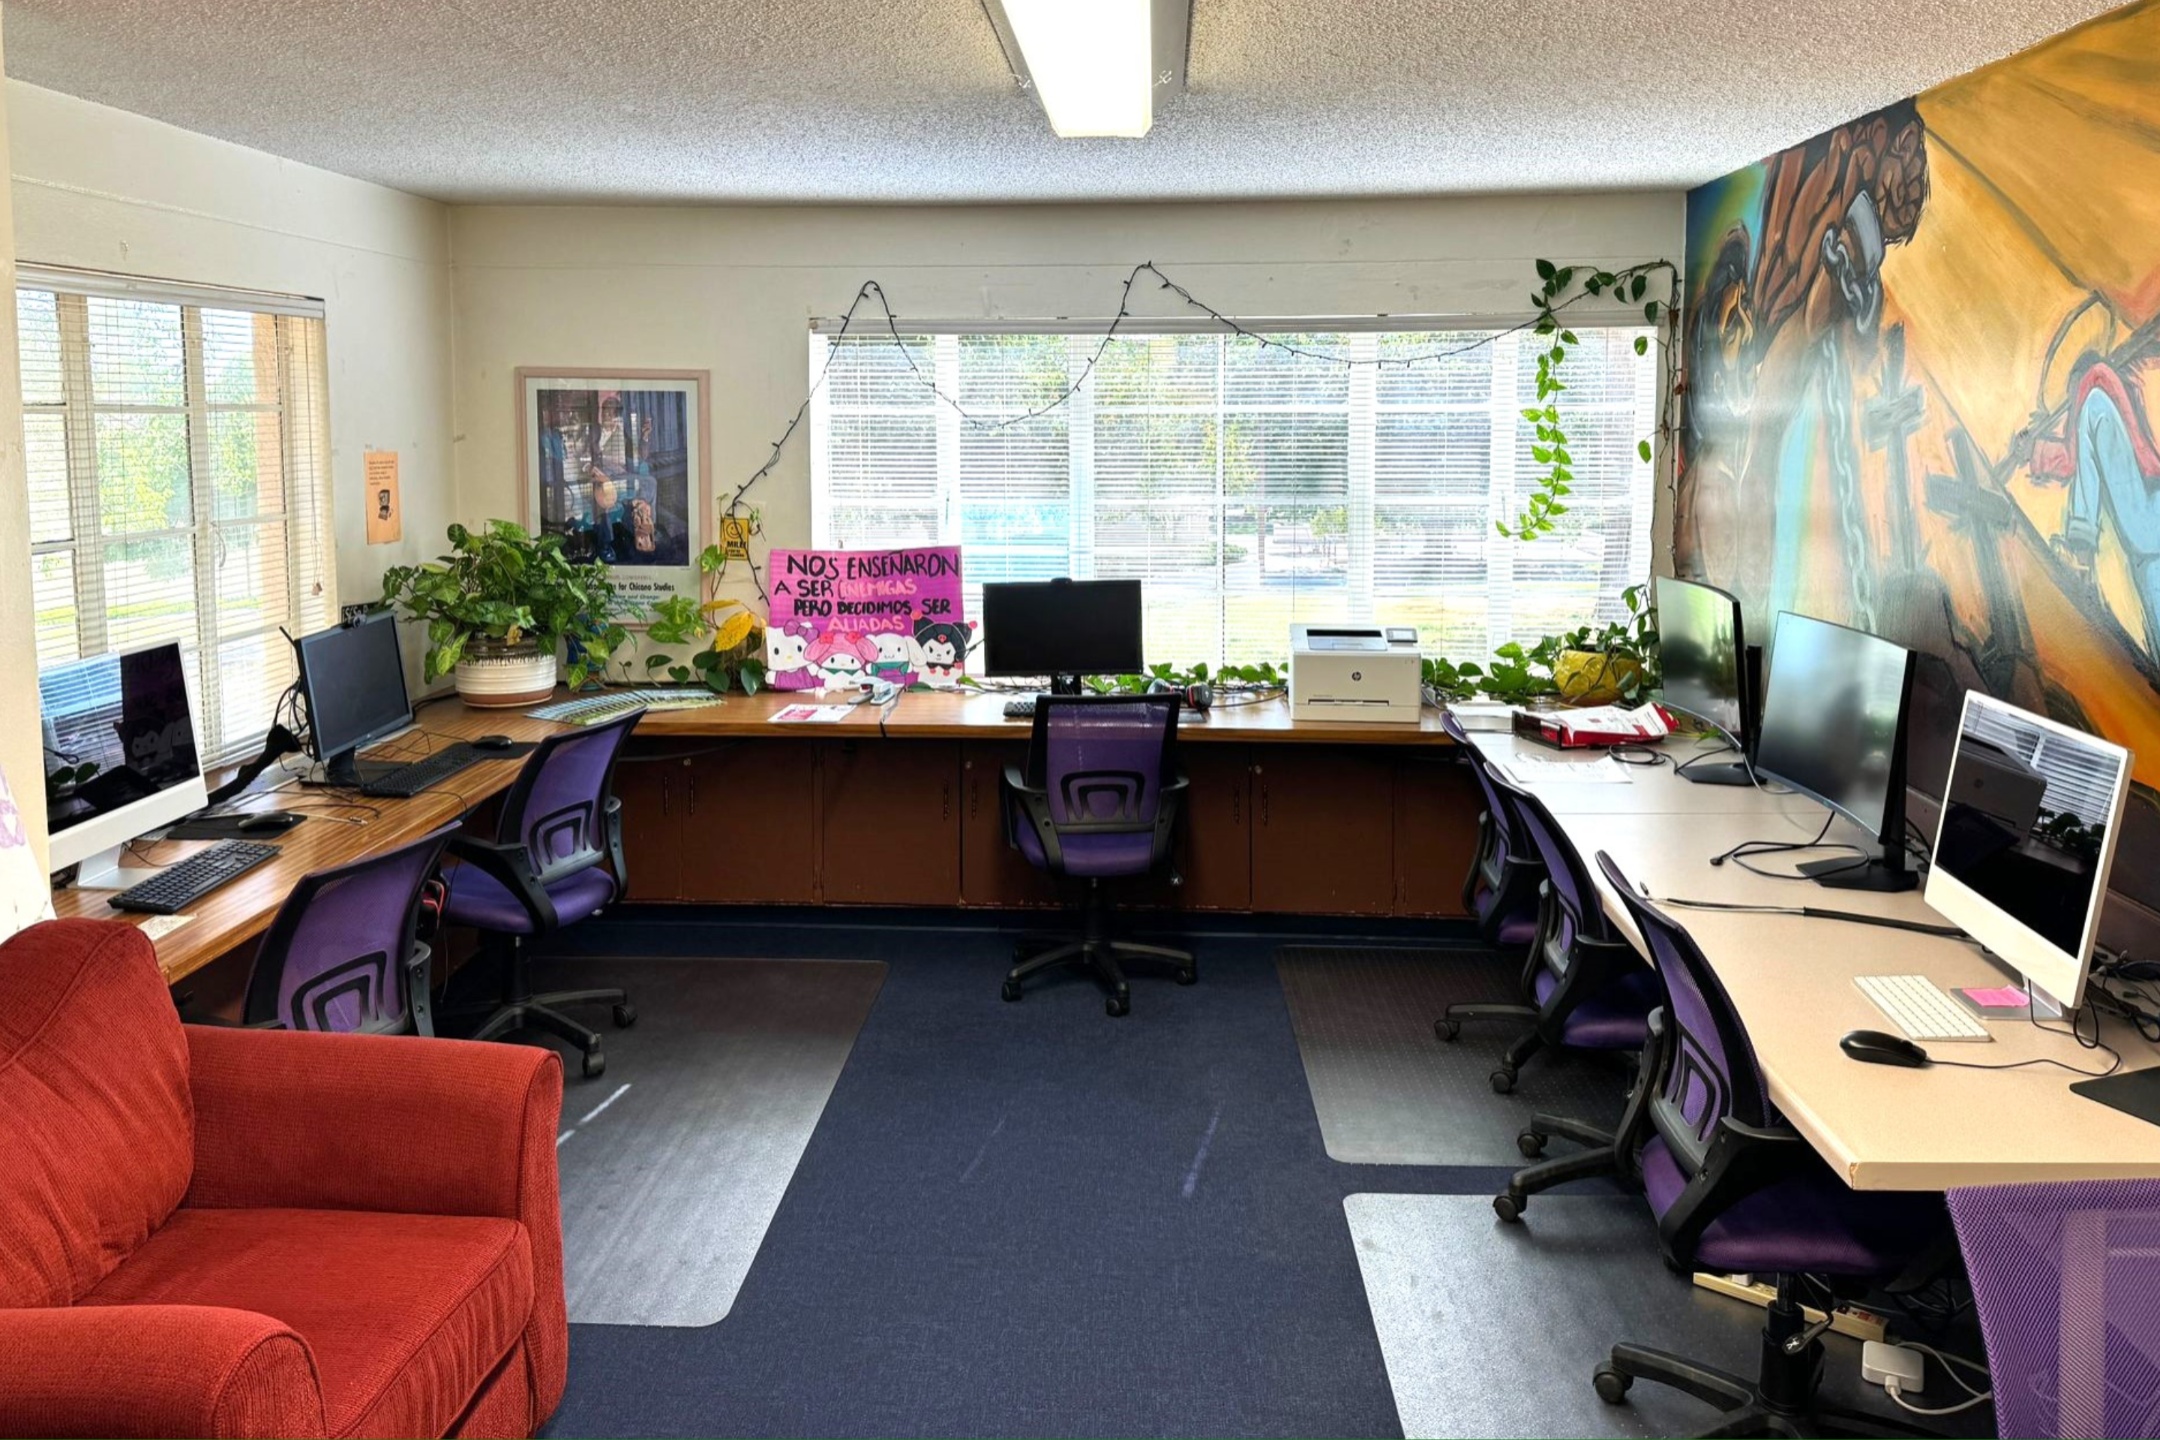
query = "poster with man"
x=843 y=619
x=616 y=466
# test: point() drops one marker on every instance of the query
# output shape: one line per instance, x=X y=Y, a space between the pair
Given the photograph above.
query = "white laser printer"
x=1354 y=672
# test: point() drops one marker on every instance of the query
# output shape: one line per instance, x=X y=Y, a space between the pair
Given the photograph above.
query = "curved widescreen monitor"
x=2030 y=814
x=1833 y=727
x=120 y=756
x=1702 y=656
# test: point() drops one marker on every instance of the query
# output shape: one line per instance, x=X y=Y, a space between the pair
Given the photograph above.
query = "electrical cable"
x=1948 y=932
x=1739 y=853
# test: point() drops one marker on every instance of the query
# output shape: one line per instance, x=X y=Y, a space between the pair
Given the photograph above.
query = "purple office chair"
x=2065 y=1278
x=1099 y=801
x=1735 y=1188
x=556 y=859
x=1501 y=890
x=343 y=952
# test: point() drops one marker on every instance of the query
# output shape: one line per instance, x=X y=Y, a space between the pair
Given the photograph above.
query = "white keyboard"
x=1921 y=1008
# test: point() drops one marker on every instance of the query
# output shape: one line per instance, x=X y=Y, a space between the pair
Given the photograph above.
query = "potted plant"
x=733 y=658
x=498 y=606
x=1608 y=664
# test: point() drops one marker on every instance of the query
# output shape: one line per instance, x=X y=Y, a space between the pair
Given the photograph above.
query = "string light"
x=870 y=290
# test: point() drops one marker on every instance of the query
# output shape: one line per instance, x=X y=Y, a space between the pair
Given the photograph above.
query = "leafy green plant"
x=728 y=637
x=503 y=585
x=1265 y=676
x=1558 y=287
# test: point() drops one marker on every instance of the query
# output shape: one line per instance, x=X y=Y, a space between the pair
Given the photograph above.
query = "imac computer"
x=1063 y=629
x=1704 y=659
x=353 y=679
x=1833 y=727
x=2029 y=820
x=120 y=758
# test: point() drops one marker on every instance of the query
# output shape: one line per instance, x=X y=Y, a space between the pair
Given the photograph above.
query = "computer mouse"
x=493 y=742
x=1878 y=1048
x=268 y=822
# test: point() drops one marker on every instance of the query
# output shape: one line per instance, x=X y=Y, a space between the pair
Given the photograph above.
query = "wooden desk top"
x=1791 y=978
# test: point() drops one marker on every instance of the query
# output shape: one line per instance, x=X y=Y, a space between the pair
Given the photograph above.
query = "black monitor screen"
x=1833 y=720
x=1699 y=652
x=2025 y=812
x=1062 y=627
x=355 y=684
x=117 y=729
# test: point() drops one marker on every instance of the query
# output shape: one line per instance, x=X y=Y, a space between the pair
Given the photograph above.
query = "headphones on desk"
x=1198 y=697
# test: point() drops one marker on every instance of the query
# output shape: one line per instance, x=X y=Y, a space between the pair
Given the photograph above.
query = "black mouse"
x=493 y=742
x=268 y=822
x=1878 y=1048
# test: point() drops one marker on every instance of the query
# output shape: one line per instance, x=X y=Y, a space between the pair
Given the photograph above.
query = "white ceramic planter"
x=519 y=677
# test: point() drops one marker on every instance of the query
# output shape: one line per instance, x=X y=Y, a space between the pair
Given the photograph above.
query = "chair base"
x=1100 y=955
x=1781 y=1401
x=1503 y=1076
x=520 y=1009
x=1602 y=1157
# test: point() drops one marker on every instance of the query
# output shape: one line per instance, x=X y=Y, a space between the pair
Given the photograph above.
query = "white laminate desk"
x=1791 y=978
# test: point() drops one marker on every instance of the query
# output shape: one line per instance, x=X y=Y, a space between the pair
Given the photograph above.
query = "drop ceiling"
x=913 y=101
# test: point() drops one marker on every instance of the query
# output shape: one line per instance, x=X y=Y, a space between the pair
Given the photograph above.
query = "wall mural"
x=1924 y=369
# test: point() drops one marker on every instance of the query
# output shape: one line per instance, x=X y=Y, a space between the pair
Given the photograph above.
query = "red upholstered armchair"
x=260 y=1232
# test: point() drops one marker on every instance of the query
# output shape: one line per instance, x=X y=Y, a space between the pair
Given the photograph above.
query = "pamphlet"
x=810 y=714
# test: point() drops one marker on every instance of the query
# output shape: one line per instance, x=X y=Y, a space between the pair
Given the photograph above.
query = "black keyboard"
x=179 y=886
x=409 y=780
x=1021 y=708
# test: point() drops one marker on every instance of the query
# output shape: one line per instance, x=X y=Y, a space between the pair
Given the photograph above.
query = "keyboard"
x=178 y=886
x=599 y=709
x=1020 y=707
x=409 y=780
x=1921 y=1008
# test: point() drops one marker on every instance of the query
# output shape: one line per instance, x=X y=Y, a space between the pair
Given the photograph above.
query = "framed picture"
x=616 y=462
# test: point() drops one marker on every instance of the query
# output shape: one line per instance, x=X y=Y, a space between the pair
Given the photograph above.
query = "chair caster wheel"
x=1010 y=991
x=1531 y=1144
x=595 y=1064
x=1508 y=1208
x=1117 y=1005
x=1503 y=1080
x=1447 y=1030
x=625 y=1016
x=1188 y=976
x=1612 y=1386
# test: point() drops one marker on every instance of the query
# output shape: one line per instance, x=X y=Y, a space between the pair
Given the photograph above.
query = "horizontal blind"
x=1247 y=486
x=178 y=466
x=2080 y=779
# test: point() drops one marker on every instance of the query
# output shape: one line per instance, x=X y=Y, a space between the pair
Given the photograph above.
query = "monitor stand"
x=114 y=869
x=1065 y=685
x=1732 y=773
x=1885 y=874
x=346 y=771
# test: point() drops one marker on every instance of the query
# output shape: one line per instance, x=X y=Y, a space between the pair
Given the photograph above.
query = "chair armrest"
x=616 y=859
x=511 y=864
x=389 y=1122
x=148 y=1370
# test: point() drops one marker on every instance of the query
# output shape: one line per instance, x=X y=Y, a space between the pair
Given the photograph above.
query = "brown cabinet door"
x=749 y=824
x=1323 y=831
x=891 y=816
x=1214 y=845
x=992 y=873
x=652 y=821
x=1436 y=812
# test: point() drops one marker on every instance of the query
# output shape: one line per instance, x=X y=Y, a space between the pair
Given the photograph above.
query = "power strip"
x=1849 y=1319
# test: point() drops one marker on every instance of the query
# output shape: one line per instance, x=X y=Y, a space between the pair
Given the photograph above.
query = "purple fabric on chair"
x=1091 y=856
x=1614 y=1018
x=1515 y=931
x=2065 y=1277
x=1812 y=1224
x=480 y=900
x=1501 y=845
x=1102 y=766
x=334 y=957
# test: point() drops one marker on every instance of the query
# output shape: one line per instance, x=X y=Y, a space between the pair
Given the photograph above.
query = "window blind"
x=1246 y=486
x=2080 y=781
x=178 y=457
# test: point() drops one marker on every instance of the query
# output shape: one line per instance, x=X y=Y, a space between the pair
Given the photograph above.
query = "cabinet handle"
x=690 y=782
x=945 y=800
x=667 y=786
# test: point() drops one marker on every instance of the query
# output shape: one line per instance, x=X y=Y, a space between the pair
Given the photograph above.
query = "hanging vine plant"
x=1560 y=286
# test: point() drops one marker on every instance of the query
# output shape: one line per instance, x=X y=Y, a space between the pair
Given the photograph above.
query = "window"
x=1247 y=486
x=179 y=486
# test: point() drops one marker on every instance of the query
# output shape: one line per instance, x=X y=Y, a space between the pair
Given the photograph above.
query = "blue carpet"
x=1029 y=1219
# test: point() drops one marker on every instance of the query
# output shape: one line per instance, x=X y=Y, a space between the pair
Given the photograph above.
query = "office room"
x=1011 y=717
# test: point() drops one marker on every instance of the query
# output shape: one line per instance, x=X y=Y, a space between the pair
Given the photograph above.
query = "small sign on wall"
x=385 y=521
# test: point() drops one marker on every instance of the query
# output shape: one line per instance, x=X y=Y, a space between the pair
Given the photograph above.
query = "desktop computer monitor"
x=1063 y=629
x=120 y=756
x=1833 y=727
x=2030 y=815
x=353 y=678
x=1703 y=657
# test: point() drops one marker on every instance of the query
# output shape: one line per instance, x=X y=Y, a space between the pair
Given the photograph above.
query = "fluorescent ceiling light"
x=1091 y=63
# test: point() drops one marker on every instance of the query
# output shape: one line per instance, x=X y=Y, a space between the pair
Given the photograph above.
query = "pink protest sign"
x=843 y=618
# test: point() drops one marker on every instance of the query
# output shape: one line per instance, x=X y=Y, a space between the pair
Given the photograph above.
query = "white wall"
x=21 y=758
x=103 y=189
x=732 y=290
